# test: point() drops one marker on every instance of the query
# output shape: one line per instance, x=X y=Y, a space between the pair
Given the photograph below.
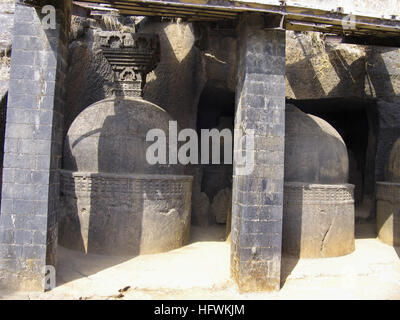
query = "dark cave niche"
x=356 y=120
x=216 y=111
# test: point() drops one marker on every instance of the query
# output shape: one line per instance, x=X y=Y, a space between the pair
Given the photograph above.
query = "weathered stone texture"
x=383 y=73
x=389 y=132
x=383 y=83
x=110 y=136
x=392 y=172
x=6 y=22
x=30 y=191
x=318 y=211
x=90 y=76
x=219 y=48
x=176 y=85
x=314 y=150
x=124 y=214
x=317 y=69
x=114 y=201
x=388 y=199
x=258 y=195
x=7 y=8
x=318 y=220
x=4 y=75
x=388 y=212
x=222 y=205
x=180 y=71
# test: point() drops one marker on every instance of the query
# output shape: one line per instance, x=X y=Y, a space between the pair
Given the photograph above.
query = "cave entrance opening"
x=212 y=189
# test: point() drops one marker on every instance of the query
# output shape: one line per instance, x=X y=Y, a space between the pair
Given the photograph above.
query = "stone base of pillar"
x=124 y=214
x=388 y=212
x=318 y=220
x=24 y=275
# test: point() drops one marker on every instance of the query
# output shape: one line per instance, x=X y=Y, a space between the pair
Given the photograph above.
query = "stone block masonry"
x=32 y=150
x=258 y=197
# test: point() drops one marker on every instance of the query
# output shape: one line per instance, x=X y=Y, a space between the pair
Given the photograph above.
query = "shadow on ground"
x=73 y=265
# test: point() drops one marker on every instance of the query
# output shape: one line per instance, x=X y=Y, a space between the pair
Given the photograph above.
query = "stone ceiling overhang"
x=370 y=18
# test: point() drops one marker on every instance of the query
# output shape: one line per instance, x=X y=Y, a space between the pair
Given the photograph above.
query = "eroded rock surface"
x=222 y=205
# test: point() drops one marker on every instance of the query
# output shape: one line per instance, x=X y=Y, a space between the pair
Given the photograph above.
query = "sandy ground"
x=201 y=271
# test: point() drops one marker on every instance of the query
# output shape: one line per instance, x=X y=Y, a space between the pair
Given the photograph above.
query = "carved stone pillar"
x=33 y=139
x=258 y=195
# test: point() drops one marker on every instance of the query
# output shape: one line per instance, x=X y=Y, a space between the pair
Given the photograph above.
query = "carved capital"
x=132 y=57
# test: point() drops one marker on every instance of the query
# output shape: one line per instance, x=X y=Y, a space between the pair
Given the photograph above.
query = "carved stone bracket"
x=132 y=57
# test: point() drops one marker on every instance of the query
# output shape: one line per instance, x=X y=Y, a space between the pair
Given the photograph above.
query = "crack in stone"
x=326 y=233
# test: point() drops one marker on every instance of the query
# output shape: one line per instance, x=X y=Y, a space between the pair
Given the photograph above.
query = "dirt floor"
x=201 y=271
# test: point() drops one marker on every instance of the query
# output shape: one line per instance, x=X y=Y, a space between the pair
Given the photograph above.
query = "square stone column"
x=33 y=140
x=258 y=194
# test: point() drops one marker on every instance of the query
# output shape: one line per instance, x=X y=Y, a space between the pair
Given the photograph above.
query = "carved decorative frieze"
x=106 y=185
x=318 y=193
x=132 y=57
x=318 y=220
x=124 y=214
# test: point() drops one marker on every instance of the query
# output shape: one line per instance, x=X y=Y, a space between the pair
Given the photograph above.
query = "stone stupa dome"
x=110 y=137
x=314 y=150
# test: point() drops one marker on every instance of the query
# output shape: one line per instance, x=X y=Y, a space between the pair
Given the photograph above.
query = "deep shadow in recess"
x=216 y=111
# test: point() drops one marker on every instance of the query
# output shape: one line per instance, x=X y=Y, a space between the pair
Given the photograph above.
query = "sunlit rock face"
x=388 y=200
x=318 y=216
